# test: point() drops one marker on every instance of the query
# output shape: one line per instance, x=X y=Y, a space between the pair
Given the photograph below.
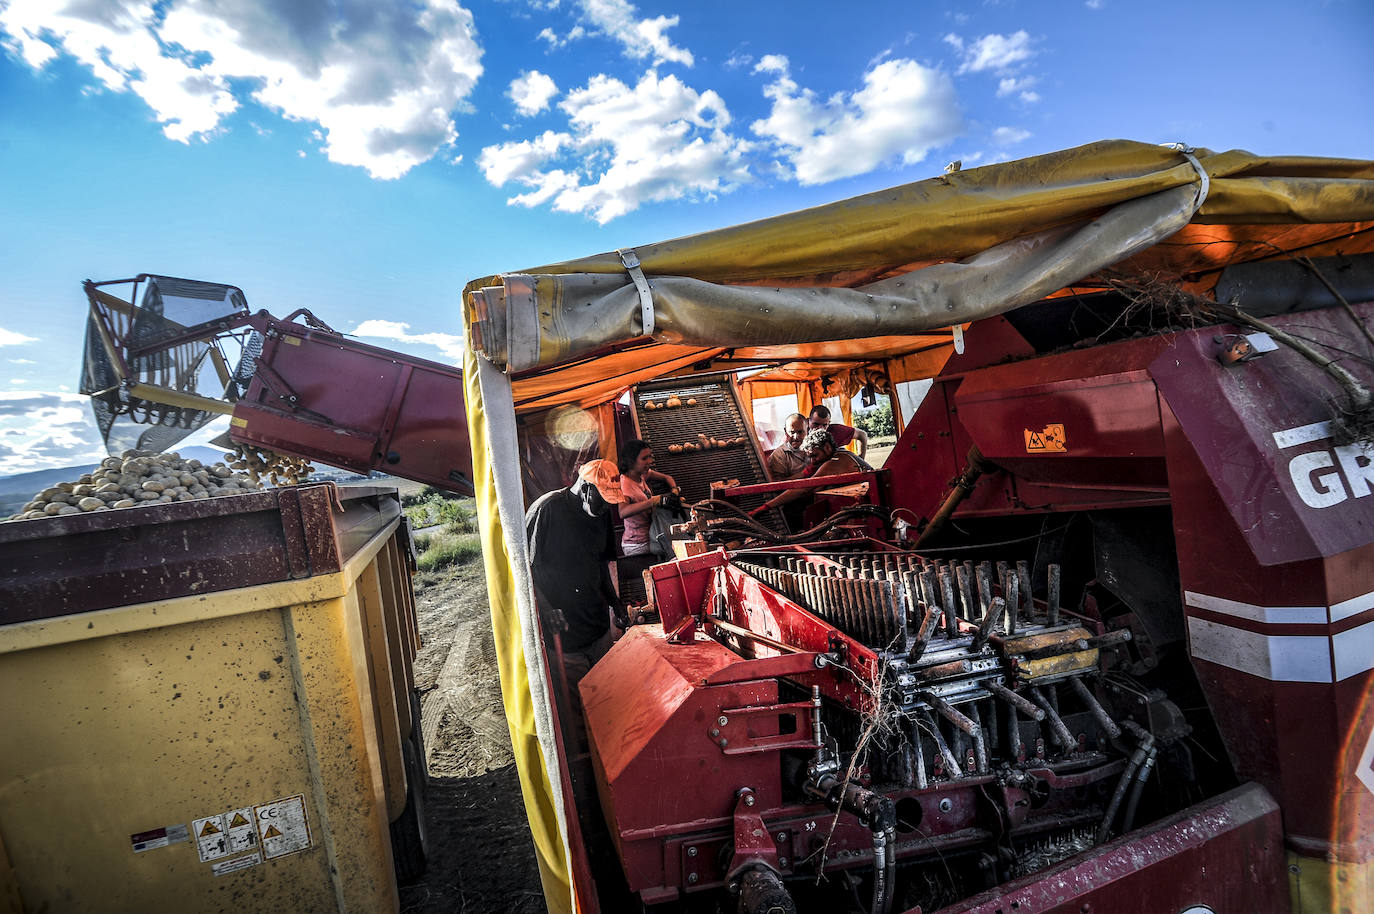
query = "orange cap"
x=606 y=477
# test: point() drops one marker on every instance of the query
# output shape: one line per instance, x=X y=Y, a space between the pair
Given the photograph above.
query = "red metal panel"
x=1303 y=740
x=1226 y=853
x=1102 y=400
x=659 y=768
x=677 y=589
x=323 y=396
x=1300 y=501
x=77 y=563
x=1113 y=455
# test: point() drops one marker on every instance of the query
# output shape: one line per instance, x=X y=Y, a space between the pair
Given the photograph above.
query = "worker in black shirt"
x=571 y=547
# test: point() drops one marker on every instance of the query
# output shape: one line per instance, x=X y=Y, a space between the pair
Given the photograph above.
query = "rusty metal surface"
x=1226 y=853
x=320 y=395
x=79 y=563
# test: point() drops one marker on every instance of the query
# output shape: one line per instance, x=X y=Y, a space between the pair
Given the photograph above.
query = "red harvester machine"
x=1131 y=666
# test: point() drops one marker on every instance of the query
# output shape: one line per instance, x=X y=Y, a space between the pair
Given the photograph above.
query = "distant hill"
x=17 y=489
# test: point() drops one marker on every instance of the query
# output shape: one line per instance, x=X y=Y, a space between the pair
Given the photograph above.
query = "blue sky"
x=365 y=159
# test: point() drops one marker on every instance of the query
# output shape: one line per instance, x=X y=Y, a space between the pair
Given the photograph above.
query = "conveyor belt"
x=717 y=415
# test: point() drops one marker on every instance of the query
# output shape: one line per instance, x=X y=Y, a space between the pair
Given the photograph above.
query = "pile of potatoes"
x=137 y=478
x=282 y=469
x=672 y=402
x=706 y=443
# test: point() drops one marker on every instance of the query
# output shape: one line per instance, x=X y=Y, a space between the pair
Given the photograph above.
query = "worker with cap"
x=571 y=547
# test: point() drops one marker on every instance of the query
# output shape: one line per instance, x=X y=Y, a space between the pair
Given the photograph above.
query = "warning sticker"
x=1049 y=440
x=211 y=840
x=224 y=867
x=243 y=834
x=282 y=826
x=159 y=837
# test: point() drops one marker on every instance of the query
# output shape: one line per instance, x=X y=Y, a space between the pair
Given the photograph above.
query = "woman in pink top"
x=636 y=471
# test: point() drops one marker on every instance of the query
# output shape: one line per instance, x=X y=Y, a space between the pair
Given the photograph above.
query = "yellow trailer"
x=208 y=706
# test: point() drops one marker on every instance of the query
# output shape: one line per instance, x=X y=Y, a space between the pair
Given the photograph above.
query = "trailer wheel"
x=409 y=843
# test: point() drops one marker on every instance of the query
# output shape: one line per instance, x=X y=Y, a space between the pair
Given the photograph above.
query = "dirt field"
x=481 y=858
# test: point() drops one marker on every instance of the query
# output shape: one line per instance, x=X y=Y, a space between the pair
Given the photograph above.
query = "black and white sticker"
x=282 y=826
x=224 y=867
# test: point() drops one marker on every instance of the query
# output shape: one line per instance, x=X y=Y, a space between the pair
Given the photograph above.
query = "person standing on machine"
x=572 y=546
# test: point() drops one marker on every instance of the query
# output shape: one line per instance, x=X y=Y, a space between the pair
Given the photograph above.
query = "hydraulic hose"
x=1138 y=788
x=1145 y=744
x=741 y=524
x=879 y=813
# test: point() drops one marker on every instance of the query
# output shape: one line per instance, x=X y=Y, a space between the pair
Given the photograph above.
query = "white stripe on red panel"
x=1283 y=658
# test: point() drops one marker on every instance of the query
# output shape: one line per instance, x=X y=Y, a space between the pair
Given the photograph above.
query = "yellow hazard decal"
x=210 y=828
x=1049 y=440
x=238 y=422
x=272 y=832
x=238 y=820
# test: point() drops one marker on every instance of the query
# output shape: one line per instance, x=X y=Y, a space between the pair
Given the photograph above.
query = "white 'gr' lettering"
x=1357 y=465
x=1316 y=488
x=1329 y=475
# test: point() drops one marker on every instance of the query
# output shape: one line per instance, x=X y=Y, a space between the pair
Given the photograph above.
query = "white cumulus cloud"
x=532 y=91
x=993 y=52
x=639 y=38
x=451 y=345
x=515 y=161
x=902 y=112
x=13 y=338
x=549 y=35
x=43 y=430
x=1010 y=136
x=658 y=140
x=380 y=80
x=1013 y=85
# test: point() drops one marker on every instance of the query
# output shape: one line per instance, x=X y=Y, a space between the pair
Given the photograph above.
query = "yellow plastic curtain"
x=525 y=695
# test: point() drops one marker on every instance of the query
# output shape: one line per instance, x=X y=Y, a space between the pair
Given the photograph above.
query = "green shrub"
x=439 y=550
x=876 y=421
x=438 y=508
x=456 y=517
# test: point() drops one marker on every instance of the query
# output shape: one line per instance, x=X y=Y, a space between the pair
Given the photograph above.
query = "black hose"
x=743 y=524
x=891 y=835
x=880 y=814
x=1141 y=777
x=1144 y=747
x=882 y=900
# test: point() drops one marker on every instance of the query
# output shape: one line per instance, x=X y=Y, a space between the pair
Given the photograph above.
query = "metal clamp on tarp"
x=1206 y=185
x=646 y=298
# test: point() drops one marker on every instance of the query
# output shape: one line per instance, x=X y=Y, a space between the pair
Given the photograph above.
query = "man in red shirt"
x=843 y=434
